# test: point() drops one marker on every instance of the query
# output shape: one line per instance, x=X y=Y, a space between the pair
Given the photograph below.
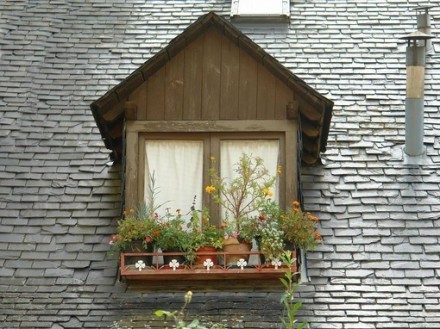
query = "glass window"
x=260 y=8
x=176 y=166
x=179 y=167
x=232 y=150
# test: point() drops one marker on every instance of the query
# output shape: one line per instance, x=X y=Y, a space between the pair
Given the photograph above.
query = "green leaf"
x=284 y=282
x=159 y=313
x=302 y=325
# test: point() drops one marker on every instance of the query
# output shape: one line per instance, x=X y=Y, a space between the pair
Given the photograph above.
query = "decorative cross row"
x=241 y=263
x=276 y=262
x=174 y=264
x=208 y=264
x=140 y=265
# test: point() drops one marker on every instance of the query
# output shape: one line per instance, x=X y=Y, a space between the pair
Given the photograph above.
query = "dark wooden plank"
x=174 y=87
x=139 y=96
x=156 y=96
x=265 y=94
x=283 y=95
x=211 y=75
x=247 y=102
x=229 y=80
x=192 y=98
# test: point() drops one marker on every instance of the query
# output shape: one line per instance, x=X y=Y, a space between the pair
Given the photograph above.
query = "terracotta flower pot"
x=232 y=245
x=202 y=258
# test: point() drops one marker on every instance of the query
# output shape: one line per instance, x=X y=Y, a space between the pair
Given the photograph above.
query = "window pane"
x=177 y=167
x=232 y=150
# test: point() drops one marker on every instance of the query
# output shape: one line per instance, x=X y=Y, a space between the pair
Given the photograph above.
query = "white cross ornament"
x=208 y=264
x=174 y=264
x=276 y=262
x=140 y=265
x=241 y=263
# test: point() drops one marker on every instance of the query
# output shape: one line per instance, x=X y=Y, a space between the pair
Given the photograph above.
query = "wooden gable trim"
x=109 y=110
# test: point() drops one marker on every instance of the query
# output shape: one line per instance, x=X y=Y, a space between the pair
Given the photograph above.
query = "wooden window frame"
x=136 y=132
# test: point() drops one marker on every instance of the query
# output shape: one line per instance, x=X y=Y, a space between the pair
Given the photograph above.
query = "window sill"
x=157 y=271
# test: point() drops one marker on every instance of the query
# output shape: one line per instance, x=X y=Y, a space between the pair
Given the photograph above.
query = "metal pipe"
x=424 y=25
x=415 y=72
x=415 y=90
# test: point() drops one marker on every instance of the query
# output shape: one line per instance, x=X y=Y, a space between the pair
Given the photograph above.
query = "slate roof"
x=315 y=119
x=380 y=216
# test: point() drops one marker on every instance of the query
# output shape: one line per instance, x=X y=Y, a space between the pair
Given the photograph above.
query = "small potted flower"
x=299 y=228
x=172 y=237
x=135 y=234
x=205 y=238
x=240 y=197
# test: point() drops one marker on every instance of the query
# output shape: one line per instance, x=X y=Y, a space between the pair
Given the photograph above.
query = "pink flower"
x=226 y=236
x=148 y=239
x=112 y=239
x=235 y=234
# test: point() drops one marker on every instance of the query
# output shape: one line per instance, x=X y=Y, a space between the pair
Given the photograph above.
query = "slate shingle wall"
x=380 y=264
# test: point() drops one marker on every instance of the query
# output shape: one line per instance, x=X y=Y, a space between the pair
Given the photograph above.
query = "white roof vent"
x=260 y=9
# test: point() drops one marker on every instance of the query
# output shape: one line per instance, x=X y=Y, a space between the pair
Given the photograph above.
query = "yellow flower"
x=279 y=171
x=209 y=189
x=267 y=192
x=212 y=158
x=131 y=211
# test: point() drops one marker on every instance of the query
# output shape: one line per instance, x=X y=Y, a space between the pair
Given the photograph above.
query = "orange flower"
x=156 y=232
x=317 y=235
x=295 y=204
x=205 y=220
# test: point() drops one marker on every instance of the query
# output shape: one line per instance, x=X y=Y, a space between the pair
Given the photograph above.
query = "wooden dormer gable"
x=213 y=72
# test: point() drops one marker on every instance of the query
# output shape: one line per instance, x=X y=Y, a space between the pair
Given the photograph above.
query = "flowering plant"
x=204 y=234
x=239 y=197
x=135 y=227
x=300 y=227
x=171 y=234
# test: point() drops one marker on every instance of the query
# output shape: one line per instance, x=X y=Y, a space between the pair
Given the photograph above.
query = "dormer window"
x=212 y=93
x=260 y=9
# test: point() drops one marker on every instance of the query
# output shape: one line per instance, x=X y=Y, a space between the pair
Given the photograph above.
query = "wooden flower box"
x=134 y=270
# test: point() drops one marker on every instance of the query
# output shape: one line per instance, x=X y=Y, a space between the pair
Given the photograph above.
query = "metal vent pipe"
x=424 y=25
x=415 y=80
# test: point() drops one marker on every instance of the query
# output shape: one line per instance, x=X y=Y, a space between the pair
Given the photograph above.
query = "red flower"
x=261 y=217
x=156 y=232
x=148 y=239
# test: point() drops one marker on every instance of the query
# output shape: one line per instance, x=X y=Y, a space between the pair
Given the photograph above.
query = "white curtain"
x=232 y=150
x=177 y=167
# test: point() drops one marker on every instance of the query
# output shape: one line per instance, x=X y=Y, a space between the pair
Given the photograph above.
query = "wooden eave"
x=315 y=109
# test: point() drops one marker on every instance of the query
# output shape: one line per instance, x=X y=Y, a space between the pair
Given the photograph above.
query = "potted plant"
x=240 y=198
x=135 y=233
x=299 y=228
x=205 y=238
x=172 y=237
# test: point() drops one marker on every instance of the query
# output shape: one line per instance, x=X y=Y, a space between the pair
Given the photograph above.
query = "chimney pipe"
x=415 y=73
x=424 y=25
